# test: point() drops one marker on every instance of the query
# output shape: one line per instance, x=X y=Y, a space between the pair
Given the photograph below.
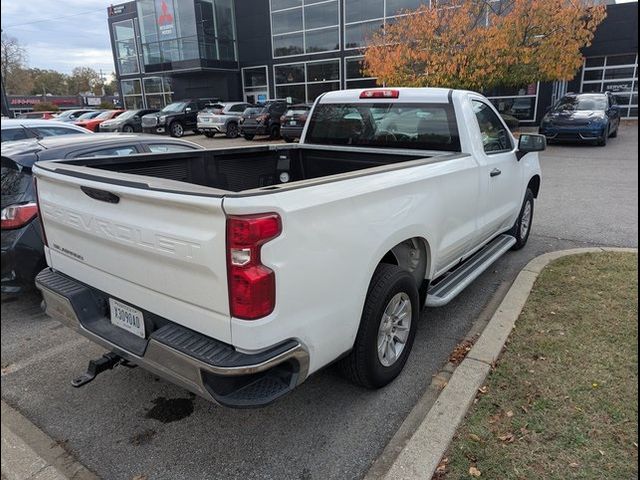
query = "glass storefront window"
x=289 y=73
x=360 y=10
x=617 y=74
x=124 y=35
x=255 y=77
x=309 y=26
x=320 y=16
x=285 y=45
x=519 y=102
x=174 y=30
x=324 y=40
x=305 y=81
x=354 y=75
x=356 y=35
x=395 y=7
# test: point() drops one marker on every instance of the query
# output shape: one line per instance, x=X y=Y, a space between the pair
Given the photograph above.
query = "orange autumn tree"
x=480 y=44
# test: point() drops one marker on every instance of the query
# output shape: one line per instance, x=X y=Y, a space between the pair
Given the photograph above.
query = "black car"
x=263 y=119
x=129 y=121
x=22 y=247
x=177 y=117
x=590 y=117
x=293 y=121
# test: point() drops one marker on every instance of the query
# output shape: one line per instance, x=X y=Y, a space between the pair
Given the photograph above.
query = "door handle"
x=495 y=172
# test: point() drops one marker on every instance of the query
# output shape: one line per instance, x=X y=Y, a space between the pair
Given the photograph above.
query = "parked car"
x=72 y=115
x=250 y=269
x=22 y=129
x=38 y=115
x=176 y=118
x=293 y=121
x=590 y=117
x=93 y=124
x=263 y=119
x=129 y=121
x=221 y=118
x=22 y=248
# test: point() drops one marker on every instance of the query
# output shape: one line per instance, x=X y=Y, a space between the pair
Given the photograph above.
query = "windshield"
x=254 y=110
x=88 y=116
x=419 y=126
x=581 y=103
x=127 y=114
x=105 y=115
x=174 y=107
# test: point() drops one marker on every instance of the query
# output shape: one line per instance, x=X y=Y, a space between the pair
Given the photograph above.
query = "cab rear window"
x=422 y=126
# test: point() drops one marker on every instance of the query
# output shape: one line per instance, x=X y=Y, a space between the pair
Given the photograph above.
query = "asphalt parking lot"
x=128 y=423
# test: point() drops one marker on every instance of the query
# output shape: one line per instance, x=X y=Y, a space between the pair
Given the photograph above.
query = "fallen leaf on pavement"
x=509 y=414
x=474 y=472
x=460 y=352
x=483 y=389
x=508 y=437
x=442 y=466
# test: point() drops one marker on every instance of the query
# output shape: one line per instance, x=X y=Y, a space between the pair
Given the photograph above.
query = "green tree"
x=49 y=81
x=84 y=79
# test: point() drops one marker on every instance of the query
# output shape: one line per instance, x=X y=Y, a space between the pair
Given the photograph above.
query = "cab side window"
x=495 y=135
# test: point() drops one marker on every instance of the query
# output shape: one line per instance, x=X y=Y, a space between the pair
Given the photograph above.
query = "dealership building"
x=253 y=50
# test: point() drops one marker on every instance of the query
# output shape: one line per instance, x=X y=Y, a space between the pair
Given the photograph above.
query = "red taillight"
x=380 y=93
x=252 y=286
x=17 y=216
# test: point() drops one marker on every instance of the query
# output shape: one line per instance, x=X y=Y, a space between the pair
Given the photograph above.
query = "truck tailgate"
x=161 y=251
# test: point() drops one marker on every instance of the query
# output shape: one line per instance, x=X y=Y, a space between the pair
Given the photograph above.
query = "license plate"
x=292 y=122
x=127 y=318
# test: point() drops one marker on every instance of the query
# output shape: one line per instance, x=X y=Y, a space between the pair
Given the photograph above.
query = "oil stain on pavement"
x=167 y=410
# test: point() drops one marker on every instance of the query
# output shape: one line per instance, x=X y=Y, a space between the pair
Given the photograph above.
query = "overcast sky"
x=64 y=34
x=73 y=32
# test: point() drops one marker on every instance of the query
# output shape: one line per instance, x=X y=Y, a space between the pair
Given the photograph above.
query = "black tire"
x=209 y=134
x=127 y=129
x=363 y=366
x=176 y=129
x=248 y=136
x=232 y=130
x=602 y=141
x=614 y=134
x=288 y=139
x=517 y=230
x=274 y=132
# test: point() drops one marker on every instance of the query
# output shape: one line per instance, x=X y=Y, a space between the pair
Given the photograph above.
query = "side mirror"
x=187 y=110
x=530 y=142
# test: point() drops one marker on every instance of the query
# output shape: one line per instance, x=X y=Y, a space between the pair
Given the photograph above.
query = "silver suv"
x=221 y=118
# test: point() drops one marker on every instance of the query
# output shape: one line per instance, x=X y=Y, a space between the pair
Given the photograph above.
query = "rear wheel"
x=288 y=139
x=176 y=129
x=232 y=130
x=614 y=134
x=248 y=136
x=387 y=328
x=209 y=134
x=127 y=129
x=522 y=228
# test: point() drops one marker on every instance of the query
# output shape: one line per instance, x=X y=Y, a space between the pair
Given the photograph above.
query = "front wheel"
x=232 y=130
x=127 y=129
x=522 y=228
x=387 y=328
x=176 y=129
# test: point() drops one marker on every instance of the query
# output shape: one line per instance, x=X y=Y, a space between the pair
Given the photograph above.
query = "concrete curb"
x=30 y=454
x=426 y=447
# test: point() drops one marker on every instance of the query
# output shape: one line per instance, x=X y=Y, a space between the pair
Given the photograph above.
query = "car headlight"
x=162 y=119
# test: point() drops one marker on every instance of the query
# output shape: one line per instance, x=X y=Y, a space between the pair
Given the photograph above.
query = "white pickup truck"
x=236 y=273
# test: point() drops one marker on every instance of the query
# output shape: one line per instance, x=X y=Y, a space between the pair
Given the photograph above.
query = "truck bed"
x=250 y=168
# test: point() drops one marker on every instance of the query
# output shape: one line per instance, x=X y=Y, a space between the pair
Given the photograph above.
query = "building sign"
x=166 y=19
x=35 y=100
x=116 y=10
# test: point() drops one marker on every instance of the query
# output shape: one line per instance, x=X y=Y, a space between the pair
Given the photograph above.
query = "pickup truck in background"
x=237 y=273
